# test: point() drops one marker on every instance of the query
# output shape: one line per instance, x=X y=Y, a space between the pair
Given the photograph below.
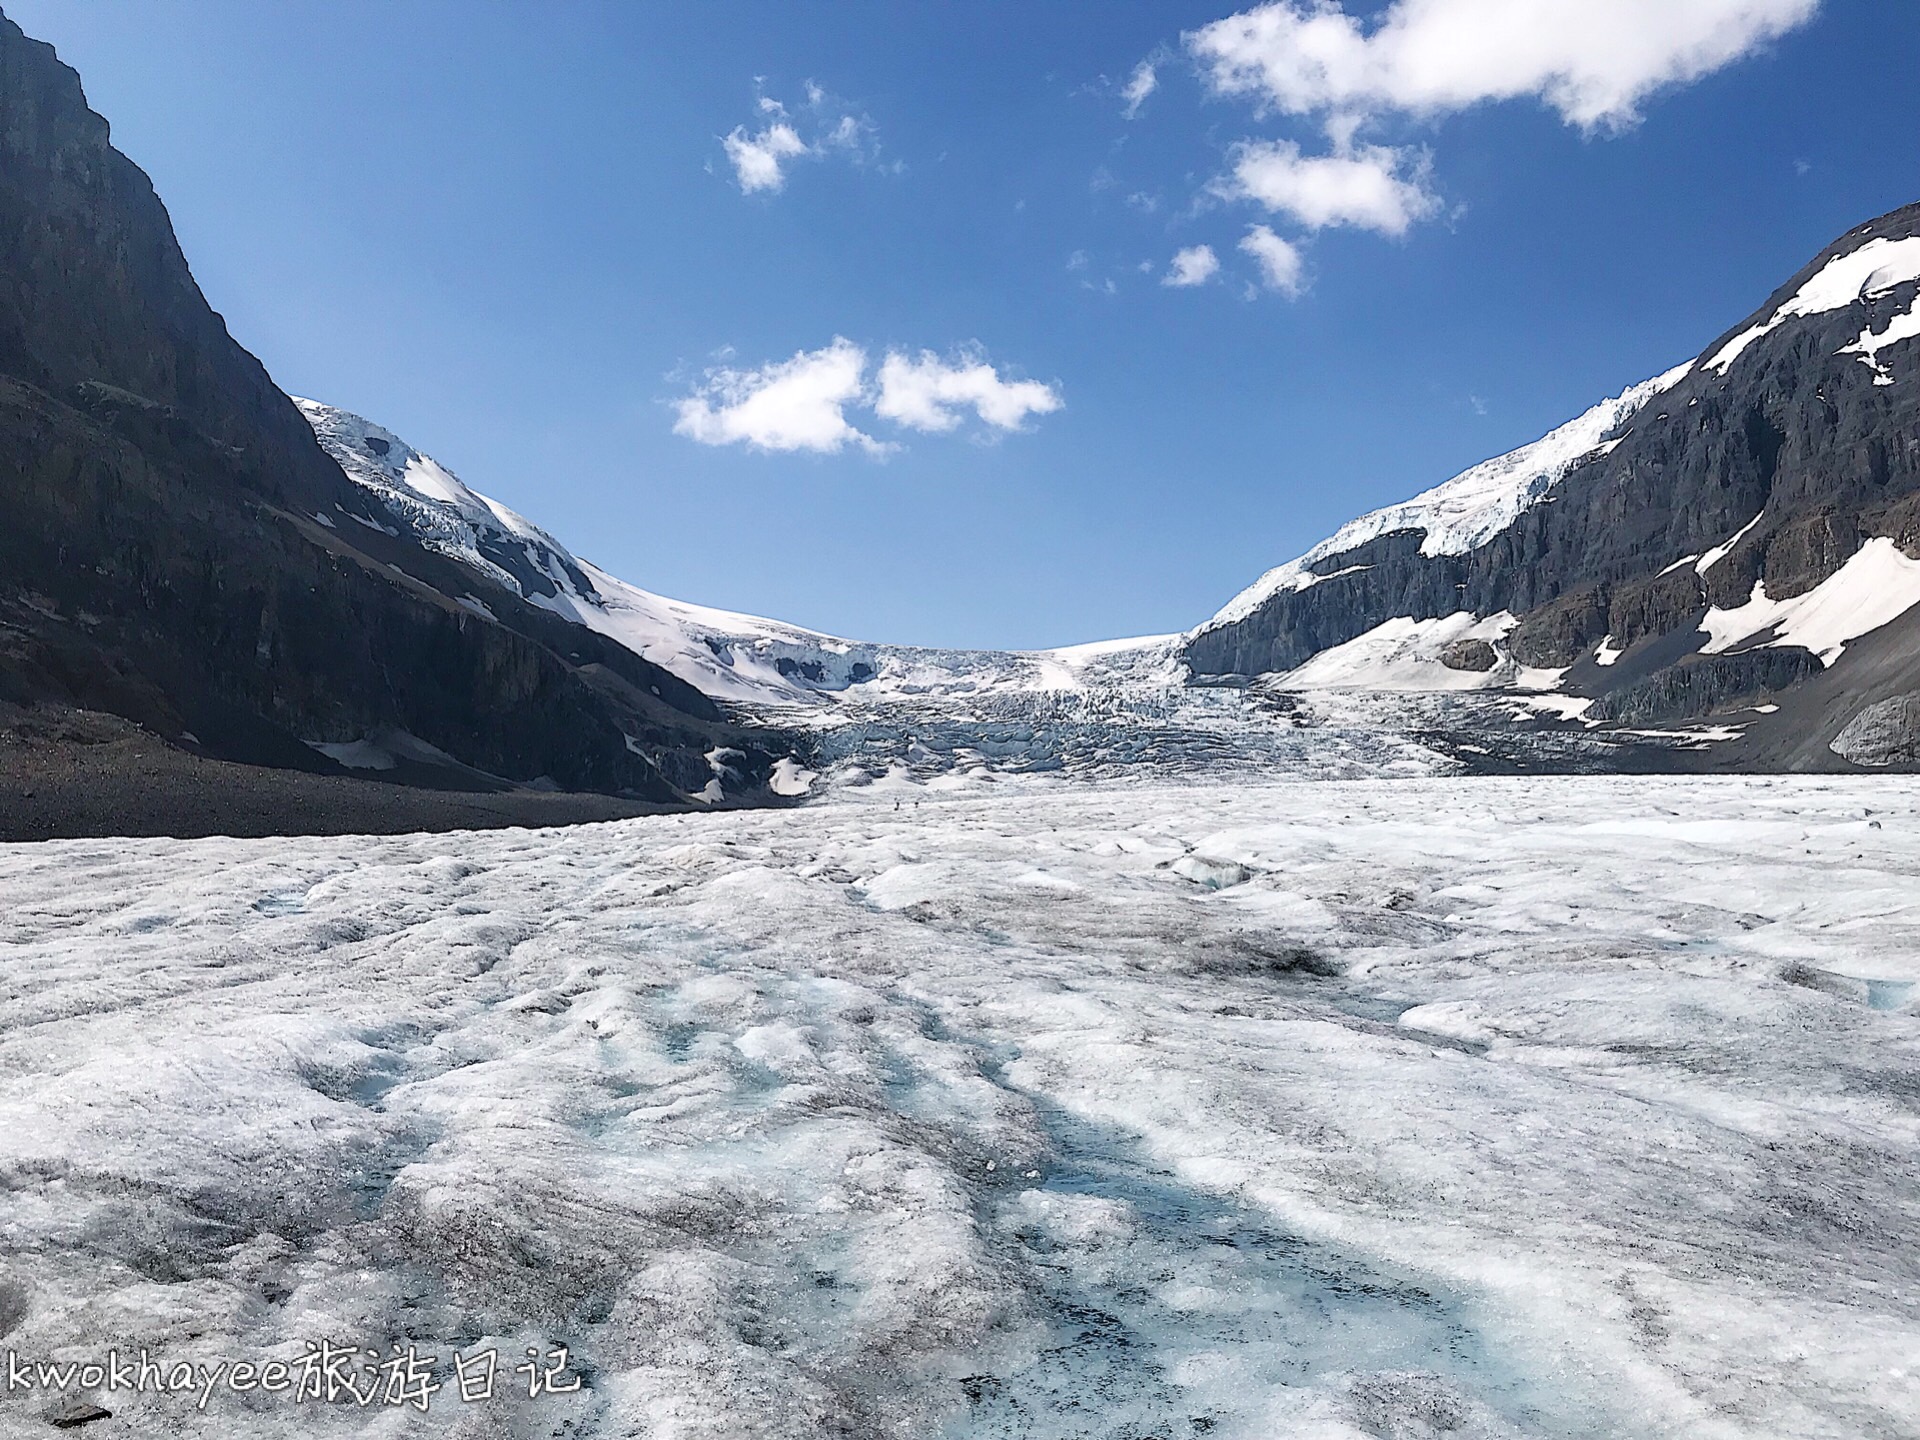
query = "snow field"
x=1876 y=586
x=1571 y=1107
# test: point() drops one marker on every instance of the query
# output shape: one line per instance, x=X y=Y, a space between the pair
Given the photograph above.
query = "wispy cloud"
x=1278 y=260
x=1374 y=187
x=823 y=125
x=1594 y=61
x=758 y=159
x=927 y=393
x=1142 y=83
x=797 y=404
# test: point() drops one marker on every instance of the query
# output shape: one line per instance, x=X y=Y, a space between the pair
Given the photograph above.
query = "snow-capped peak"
x=1470 y=509
x=730 y=656
x=442 y=513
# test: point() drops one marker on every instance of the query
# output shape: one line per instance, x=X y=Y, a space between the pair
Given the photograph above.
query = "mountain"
x=177 y=550
x=738 y=658
x=1740 y=535
x=197 y=572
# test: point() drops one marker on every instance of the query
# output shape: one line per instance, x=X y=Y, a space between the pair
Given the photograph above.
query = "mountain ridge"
x=1610 y=628
x=744 y=659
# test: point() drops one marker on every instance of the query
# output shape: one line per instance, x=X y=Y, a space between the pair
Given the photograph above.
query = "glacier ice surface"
x=1395 y=1107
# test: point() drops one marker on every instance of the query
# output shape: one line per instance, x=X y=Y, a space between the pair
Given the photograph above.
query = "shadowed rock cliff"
x=177 y=549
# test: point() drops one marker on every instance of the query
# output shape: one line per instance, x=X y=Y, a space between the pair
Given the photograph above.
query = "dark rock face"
x=1819 y=450
x=1562 y=629
x=160 y=552
x=94 y=289
x=1706 y=683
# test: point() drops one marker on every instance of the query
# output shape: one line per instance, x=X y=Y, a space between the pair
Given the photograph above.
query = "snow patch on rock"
x=790 y=777
x=1406 y=654
x=1876 y=266
x=1877 y=585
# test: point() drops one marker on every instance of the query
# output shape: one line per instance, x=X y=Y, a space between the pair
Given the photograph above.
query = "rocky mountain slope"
x=1740 y=534
x=176 y=549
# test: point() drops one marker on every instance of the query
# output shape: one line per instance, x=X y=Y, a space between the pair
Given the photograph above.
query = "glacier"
x=962 y=719
x=826 y=683
x=1248 y=1107
x=1082 y=1050
x=1873 y=268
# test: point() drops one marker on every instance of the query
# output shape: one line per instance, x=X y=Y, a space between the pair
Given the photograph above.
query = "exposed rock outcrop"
x=1477 y=656
x=1883 y=734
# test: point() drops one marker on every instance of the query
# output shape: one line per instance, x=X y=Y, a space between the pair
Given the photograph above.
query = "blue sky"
x=517 y=236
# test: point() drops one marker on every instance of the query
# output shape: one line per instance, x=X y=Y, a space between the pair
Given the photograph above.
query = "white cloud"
x=925 y=393
x=1279 y=261
x=757 y=158
x=1594 y=61
x=802 y=403
x=1194 y=265
x=824 y=125
x=1142 y=83
x=797 y=404
x=1374 y=187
